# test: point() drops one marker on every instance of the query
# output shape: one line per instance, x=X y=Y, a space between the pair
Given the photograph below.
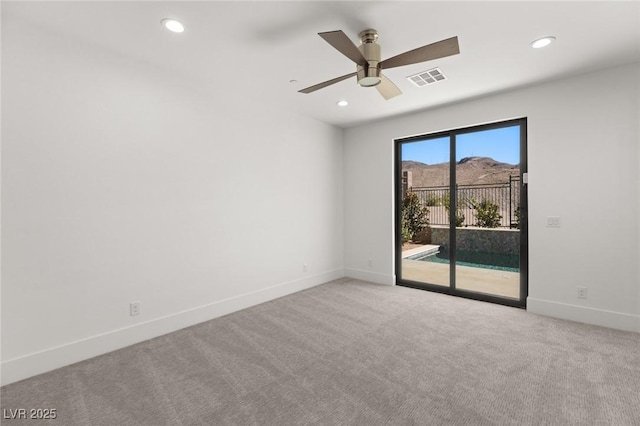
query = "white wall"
x=583 y=139
x=637 y=262
x=123 y=183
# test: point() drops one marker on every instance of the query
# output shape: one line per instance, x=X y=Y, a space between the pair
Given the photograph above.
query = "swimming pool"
x=498 y=261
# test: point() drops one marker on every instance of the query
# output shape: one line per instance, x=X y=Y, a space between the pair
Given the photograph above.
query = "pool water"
x=499 y=261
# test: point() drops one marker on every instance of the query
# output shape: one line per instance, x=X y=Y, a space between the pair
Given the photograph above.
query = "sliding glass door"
x=425 y=192
x=461 y=207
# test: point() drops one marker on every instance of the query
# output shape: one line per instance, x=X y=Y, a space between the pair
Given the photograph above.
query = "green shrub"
x=517 y=224
x=459 y=217
x=487 y=215
x=415 y=216
x=433 y=200
x=406 y=234
x=446 y=200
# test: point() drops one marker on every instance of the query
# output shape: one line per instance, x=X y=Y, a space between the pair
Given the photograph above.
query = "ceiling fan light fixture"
x=542 y=42
x=369 y=76
x=172 y=25
x=369 y=81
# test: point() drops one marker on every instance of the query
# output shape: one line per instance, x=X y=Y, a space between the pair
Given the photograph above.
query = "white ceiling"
x=253 y=49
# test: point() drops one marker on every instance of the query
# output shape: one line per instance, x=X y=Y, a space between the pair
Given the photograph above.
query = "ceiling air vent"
x=425 y=78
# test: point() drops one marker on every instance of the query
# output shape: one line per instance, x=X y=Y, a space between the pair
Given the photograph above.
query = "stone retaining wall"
x=491 y=240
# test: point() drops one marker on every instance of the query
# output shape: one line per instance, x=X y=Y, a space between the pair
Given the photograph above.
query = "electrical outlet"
x=582 y=292
x=370 y=263
x=305 y=268
x=553 y=221
x=134 y=308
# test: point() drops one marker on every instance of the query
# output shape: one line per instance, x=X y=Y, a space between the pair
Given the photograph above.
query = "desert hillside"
x=469 y=170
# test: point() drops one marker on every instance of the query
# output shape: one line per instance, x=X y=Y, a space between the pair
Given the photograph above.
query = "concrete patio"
x=479 y=280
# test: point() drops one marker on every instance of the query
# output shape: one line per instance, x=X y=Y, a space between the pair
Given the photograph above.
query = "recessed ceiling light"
x=342 y=103
x=173 y=25
x=542 y=42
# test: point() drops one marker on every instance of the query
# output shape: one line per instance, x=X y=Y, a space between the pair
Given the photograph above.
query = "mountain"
x=469 y=171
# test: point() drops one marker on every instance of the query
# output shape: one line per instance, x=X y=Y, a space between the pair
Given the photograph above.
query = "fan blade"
x=344 y=45
x=387 y=88
x=326 y=83
x=429 y=52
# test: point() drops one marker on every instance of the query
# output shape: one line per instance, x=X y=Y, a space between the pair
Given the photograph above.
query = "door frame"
x=524 y=217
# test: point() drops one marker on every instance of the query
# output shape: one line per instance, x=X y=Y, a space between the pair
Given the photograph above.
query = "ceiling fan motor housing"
x=369 y=75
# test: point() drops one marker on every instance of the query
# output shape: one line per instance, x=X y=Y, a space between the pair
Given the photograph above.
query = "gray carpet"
x=348 y=352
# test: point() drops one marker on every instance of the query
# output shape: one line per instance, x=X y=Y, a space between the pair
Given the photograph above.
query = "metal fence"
x=505 y=195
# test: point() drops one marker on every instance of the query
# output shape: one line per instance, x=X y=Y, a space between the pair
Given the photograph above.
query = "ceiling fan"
x=368 y=64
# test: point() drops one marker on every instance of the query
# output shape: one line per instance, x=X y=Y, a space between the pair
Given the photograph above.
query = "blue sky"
x=500 y=144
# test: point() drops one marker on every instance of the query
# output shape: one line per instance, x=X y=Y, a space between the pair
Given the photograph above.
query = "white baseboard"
x=611 y=319
x=33 y=364
x=374 y=277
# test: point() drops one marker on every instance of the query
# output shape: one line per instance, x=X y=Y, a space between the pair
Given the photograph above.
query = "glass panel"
x=425 y=195
x=488 y=197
